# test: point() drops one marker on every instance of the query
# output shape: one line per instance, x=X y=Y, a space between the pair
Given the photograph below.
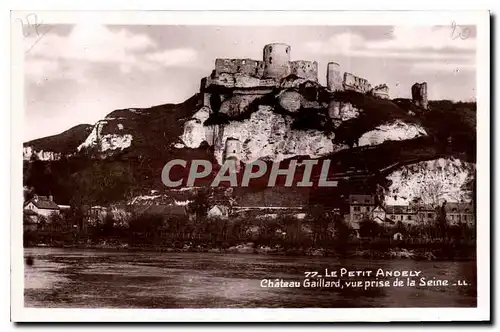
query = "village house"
x=364 y=207
x=96 y=215
x=379 y=214
x=360 y=207
x=459 y=213
x=426 y=213
x=403 y=213
x=43 y=206
x=456 y=213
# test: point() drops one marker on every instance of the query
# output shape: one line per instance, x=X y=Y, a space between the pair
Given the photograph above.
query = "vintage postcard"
x=250 y=166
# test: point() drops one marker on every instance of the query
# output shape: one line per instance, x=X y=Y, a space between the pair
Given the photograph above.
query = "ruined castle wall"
x=355 y=83
x=232 y=153
x=211 y=134
x=222 y=79
x=276 y=59
x=304 y=69
x=239 y=66
x=419 y=94
x=206 y=99
x=334 y=77
x=381 y=91
x=239 y=81
x=334 y=109
x=232 y=148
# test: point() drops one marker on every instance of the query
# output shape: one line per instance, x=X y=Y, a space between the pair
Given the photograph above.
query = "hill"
x=365 y=137
x=65 y=142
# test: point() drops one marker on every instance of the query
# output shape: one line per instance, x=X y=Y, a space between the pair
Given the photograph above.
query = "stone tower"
x=276 y=60
x=232 y=152
x=334 y=77
x=419 y=95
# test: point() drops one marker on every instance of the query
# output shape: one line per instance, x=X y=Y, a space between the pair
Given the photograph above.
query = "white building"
x=43 y=206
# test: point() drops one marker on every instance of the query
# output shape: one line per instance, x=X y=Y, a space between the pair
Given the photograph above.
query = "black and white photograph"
x=264 y=161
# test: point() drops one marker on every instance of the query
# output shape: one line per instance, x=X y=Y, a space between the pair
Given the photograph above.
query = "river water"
x=74 y=278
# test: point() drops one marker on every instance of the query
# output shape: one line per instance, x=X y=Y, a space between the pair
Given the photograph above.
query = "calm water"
x=105 y=279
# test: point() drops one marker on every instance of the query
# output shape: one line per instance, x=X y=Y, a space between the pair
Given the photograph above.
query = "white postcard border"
x=479 y=18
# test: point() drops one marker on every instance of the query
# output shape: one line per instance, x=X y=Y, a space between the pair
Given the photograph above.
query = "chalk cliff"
x=434 y=181
x=29 y=153
x=395 y=131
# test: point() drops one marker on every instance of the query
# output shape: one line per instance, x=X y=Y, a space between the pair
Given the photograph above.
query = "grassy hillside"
x=373 y=113
x=65 y=142
x=134 y=170
x=154 y=130
x=137 y=169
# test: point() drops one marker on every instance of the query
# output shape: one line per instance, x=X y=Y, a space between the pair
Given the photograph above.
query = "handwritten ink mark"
x=459 y=32
x=30 y=22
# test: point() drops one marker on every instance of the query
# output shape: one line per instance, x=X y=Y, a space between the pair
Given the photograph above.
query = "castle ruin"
x=259 y=77
x=232 y=152
x=419 y=95
x=381 y=91
x=235 y=83
x=334 y=80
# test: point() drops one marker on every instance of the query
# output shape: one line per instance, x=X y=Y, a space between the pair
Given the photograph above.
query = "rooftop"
x=361 y=200
x=43 y=202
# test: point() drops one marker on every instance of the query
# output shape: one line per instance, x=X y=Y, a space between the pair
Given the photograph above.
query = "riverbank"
x=444 y=252
x=82 y=278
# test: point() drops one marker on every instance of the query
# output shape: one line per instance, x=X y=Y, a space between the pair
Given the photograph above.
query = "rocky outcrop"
x=292 y=81
x=237 y=104
x=269 y=135
x=341 y=111
x=433 y=181
x=396 y=131
x=291 y=101
x=194 y=130
x=106 y=142
x=30 y=153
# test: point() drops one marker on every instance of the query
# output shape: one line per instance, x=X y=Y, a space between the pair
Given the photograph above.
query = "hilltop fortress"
x=259 y=77
x=234 y=84
x=236 y=88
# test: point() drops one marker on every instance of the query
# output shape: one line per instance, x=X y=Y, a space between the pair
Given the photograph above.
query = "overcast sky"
x=78 y=74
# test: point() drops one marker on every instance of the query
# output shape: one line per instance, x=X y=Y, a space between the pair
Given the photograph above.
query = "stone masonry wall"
x=381 y=91
x=419 y=95
x=352 y=82
x=334 y=77
x=243 y=66
x=304 y=69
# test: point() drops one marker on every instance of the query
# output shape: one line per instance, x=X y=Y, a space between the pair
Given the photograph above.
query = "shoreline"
x=393 y=253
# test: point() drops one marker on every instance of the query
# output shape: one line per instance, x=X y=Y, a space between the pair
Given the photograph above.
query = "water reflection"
x=92 y=278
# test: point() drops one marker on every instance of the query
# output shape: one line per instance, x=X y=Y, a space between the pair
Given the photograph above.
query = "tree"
x=199 y=206
x=101 y=183
x=238 y=229
x=368 y=228
x=442 y=222
x=400 y=227
x=57 y=222
x=319 y=221
x=146 y=227
x=342 y=231
x=430 y=193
